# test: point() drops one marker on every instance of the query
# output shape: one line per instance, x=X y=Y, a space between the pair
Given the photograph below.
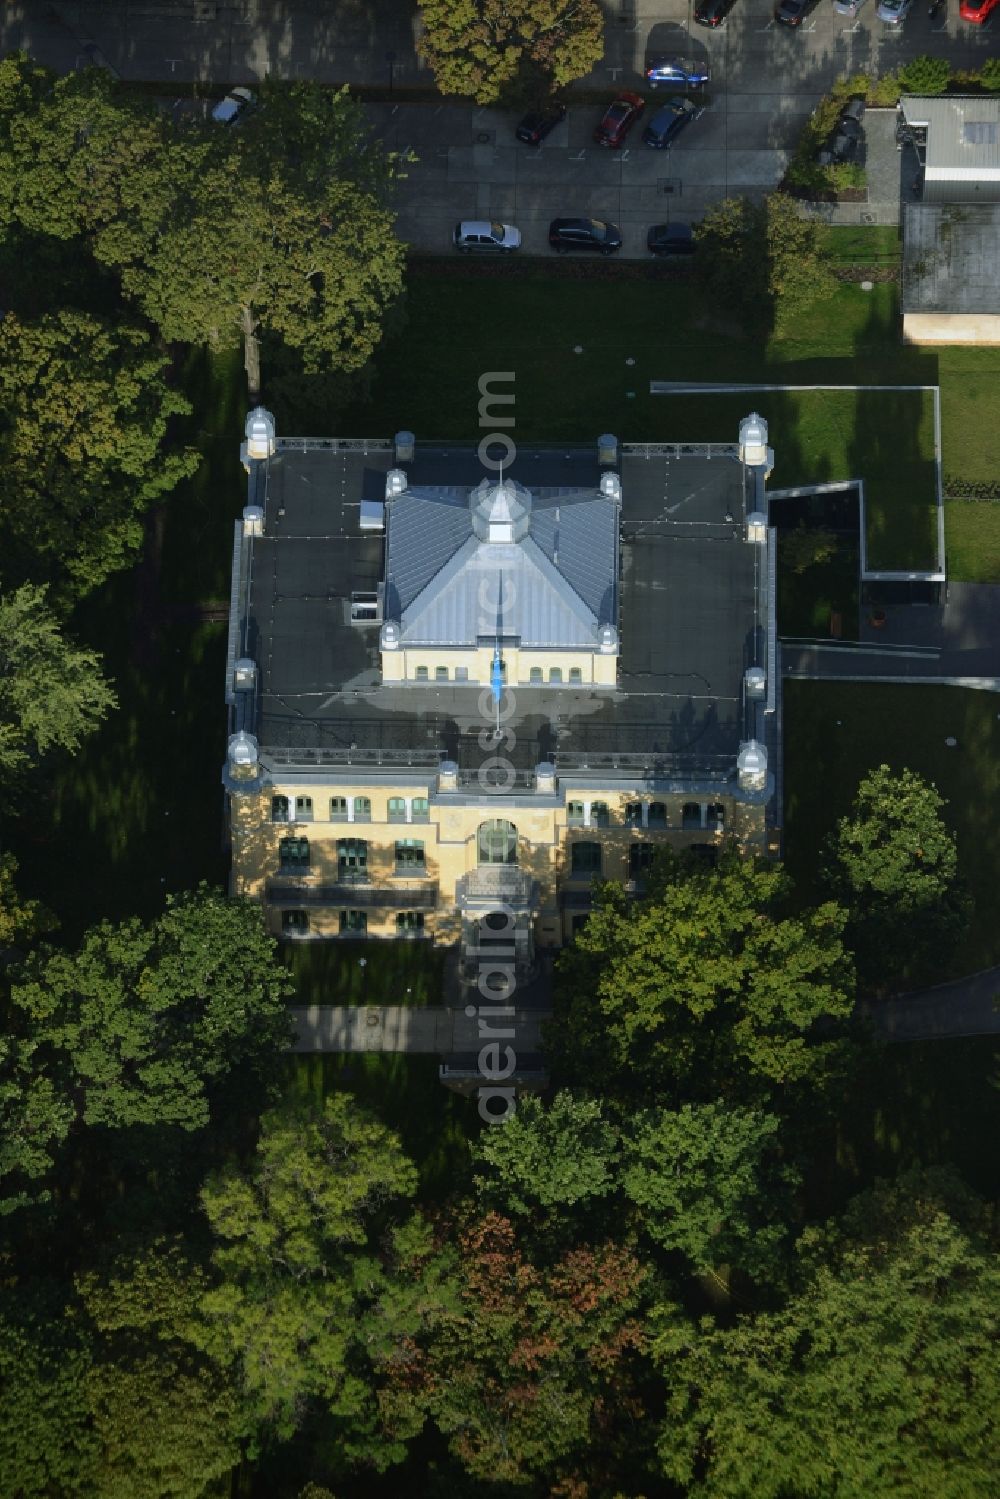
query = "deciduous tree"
x=292 y=1236
x=546 y=1160
x=478 y=48
x=707 y=987
x=708 y=1181
x=52 y=693
x=139 y=1023
x=84 y=412
x=893 y=861
x=880 y=1378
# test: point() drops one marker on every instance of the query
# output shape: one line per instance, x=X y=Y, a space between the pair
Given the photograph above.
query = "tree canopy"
x=708 y=986
x=543 y=1159
x=893 y=862
x=879 y=1378
x=762 y=260
x=84 y=412
x=138 y=1023
x=478 y=48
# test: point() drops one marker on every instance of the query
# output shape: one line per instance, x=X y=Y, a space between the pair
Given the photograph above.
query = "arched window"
x=633 y=814
x=575 y=674
x=555 y=673
x=535 y=674
x=279 y=809
x=691 y=815
x=421 y=674
x=657 y=815
x=497 y=842
x=600 y=815
x=574 y=814
x=640 y=856
x=717 y=816
x=362 y=809
x=352 y=858
x=338 y=809
x=586 y=858
x=421 y=809
x=397 y=809
x=303 y=809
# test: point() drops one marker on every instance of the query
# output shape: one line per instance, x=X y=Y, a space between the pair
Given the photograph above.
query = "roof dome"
x=501 y=511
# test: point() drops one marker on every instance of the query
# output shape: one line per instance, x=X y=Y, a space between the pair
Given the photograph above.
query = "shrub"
x=925 y=75
x=989 y=75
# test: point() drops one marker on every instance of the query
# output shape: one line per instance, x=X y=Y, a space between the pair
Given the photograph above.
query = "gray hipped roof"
x=557 y=565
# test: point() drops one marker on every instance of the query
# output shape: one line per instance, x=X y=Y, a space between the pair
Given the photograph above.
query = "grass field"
x=374 y=972
x=835 y=732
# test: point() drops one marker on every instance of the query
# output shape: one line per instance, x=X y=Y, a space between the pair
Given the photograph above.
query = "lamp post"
x=363 y=965
x=390 y=58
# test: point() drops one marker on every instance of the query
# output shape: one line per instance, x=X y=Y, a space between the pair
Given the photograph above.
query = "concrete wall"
x=952 y=327
x=595 y=668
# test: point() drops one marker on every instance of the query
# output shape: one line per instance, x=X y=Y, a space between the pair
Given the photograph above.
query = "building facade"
x=456 y=687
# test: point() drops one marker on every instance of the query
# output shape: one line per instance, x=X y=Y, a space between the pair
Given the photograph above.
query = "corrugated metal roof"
x=963 y=130
x=560 y=580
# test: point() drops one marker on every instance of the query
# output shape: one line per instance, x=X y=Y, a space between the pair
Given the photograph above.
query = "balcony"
x=496 y=882
x=397 y=896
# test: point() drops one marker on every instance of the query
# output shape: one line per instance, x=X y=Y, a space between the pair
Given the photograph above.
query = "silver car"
x=847 y=7
x=480 y=235
x=893 y=12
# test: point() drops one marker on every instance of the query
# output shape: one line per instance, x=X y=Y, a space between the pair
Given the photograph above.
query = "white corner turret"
x=260 y=434
x=751 y=766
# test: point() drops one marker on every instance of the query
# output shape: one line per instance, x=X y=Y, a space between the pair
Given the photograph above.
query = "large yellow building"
x=456 y=690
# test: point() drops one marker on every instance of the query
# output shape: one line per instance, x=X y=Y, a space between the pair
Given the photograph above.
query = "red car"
x=977 y=11
x=618 y=119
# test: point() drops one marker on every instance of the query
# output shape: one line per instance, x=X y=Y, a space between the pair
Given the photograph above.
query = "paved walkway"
x=964 y=1007
x=433 y=1031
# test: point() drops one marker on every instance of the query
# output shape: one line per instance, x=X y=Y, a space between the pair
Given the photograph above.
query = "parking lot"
x=766 y=80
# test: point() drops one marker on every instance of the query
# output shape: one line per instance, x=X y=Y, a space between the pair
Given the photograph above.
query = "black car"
x=792 y=12
x=840 y=149
x=668 y=122
x=712 y=12
x=584 y=234
x=670 y=239
x=539 y=123
x=853 y=110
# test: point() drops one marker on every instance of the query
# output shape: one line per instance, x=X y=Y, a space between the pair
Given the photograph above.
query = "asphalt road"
x=766 y=79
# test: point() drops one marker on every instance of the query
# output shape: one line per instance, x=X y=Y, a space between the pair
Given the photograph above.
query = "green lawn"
x=972 y=540
x=532 y=323
x=391 y=973
x=835 y=732
x=807 y=600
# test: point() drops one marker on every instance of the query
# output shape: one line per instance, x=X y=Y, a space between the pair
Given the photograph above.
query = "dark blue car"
x=668 y=122
x=680 y=72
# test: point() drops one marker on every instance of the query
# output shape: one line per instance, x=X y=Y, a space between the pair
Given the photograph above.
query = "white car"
x=847 y=7
x=229 y=109
x=480 y=235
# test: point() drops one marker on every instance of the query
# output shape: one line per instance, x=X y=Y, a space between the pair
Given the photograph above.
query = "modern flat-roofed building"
x=951 y=273
x=454 y=688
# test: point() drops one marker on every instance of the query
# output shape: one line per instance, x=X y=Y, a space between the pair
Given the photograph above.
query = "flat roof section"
x=690 y=619
x=951 y=257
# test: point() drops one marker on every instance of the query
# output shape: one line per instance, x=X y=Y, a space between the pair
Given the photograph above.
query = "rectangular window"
x=353 y=923
x=352 y=858
x=640 y=857
x=657 y=817
x=295 y=923
x=279 y=809
x=535 y=674
x=294 y=855
x=555 y=673
x=633 y=814
x=409 y=923
x=440 y=673
x=586 y=858
x=338 y=809
x=303 y=809
x=575 y=674
x=410 y=856
x=421 y=674
x=574 y=814
x=600 y=815
x=420 y=809
x=461 y=673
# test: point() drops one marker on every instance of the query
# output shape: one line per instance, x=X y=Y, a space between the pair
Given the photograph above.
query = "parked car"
x=893 y=12
x=847 y=7
x=618 y=119
x=480 y=236
x=584 y=234
x=670 y=239
x=712 y=12
x=977 y=11
x=235 y=104
x=853 y=110
x=792 y=12
x=679 y=72
x=668 y=122
x=840 y=149
x=539 y=123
